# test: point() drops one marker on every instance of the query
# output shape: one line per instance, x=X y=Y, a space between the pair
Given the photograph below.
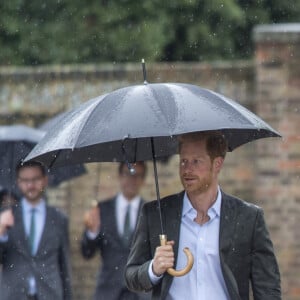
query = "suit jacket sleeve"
x=64 y=261
x=136 y=270
x=89 y=246
x=2 y=250
x=265 y=271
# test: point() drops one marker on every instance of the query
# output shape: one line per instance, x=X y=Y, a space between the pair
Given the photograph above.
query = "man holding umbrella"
x=227 y=236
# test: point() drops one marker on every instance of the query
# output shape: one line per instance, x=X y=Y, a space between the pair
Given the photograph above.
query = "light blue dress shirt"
x=40 y=218
x=205 y=280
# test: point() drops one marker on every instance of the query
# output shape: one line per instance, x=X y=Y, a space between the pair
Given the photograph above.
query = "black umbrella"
x=123 y=124
x=142 y=122
x=16 y=141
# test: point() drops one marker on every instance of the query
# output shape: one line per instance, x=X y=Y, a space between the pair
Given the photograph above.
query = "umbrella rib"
x=55 y=158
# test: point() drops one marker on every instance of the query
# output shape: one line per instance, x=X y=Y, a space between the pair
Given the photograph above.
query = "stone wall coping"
x=108 y=72
x=285 y=33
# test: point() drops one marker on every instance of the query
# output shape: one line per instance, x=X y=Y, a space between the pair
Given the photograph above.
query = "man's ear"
x=218 y=163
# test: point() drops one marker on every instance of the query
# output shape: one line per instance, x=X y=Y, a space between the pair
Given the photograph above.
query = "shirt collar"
x=27 y=206
x=215 y=209
x=123 y=201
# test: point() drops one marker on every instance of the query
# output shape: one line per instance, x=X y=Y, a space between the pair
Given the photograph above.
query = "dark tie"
x=127 y=227
x=32 y=231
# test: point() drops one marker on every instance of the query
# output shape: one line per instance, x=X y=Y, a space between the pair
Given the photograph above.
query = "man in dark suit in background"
x=34 y=247
x=109 y=229
x=228 y=237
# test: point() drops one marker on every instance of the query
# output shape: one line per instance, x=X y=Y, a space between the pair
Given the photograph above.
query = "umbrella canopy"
x=16 y=141
x=118 y=126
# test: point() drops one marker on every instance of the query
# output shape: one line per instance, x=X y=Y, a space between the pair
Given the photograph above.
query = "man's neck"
x=129 y=198
x=33 y=202
x=203 y=201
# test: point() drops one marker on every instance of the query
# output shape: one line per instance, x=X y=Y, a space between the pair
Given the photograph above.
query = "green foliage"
x=202 y=30
x=118 y=31
x=72 y=31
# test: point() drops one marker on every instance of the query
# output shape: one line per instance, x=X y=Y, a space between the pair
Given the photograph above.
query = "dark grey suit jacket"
x=110 y=281
x=50 y=266
x=246 y=251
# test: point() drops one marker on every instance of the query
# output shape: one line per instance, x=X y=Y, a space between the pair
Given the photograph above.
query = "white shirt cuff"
x=153 y=278
x=91 y=235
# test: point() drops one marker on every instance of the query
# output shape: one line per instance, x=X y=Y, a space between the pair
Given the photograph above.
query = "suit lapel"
x=136 y=220
x=227 y=231
x=19 y=231
x=227 y=224
x=142 y=202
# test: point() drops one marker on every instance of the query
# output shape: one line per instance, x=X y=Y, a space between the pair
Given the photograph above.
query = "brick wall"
x=265 y=172
x=278 y=164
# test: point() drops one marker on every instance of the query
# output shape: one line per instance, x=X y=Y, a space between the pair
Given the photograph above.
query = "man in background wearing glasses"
x=34 y=247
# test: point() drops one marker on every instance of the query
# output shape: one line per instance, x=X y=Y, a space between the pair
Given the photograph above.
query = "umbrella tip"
x=144 y=71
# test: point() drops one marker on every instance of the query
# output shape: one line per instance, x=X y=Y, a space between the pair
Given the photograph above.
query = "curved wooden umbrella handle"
x=189 y=256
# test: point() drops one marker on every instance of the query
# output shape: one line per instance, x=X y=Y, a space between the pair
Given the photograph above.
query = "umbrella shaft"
x=156 y=185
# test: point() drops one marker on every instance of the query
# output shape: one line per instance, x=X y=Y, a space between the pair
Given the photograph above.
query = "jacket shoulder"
x=57 y=213
x=107 y=203
x=240 y=204
x=165 y=202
